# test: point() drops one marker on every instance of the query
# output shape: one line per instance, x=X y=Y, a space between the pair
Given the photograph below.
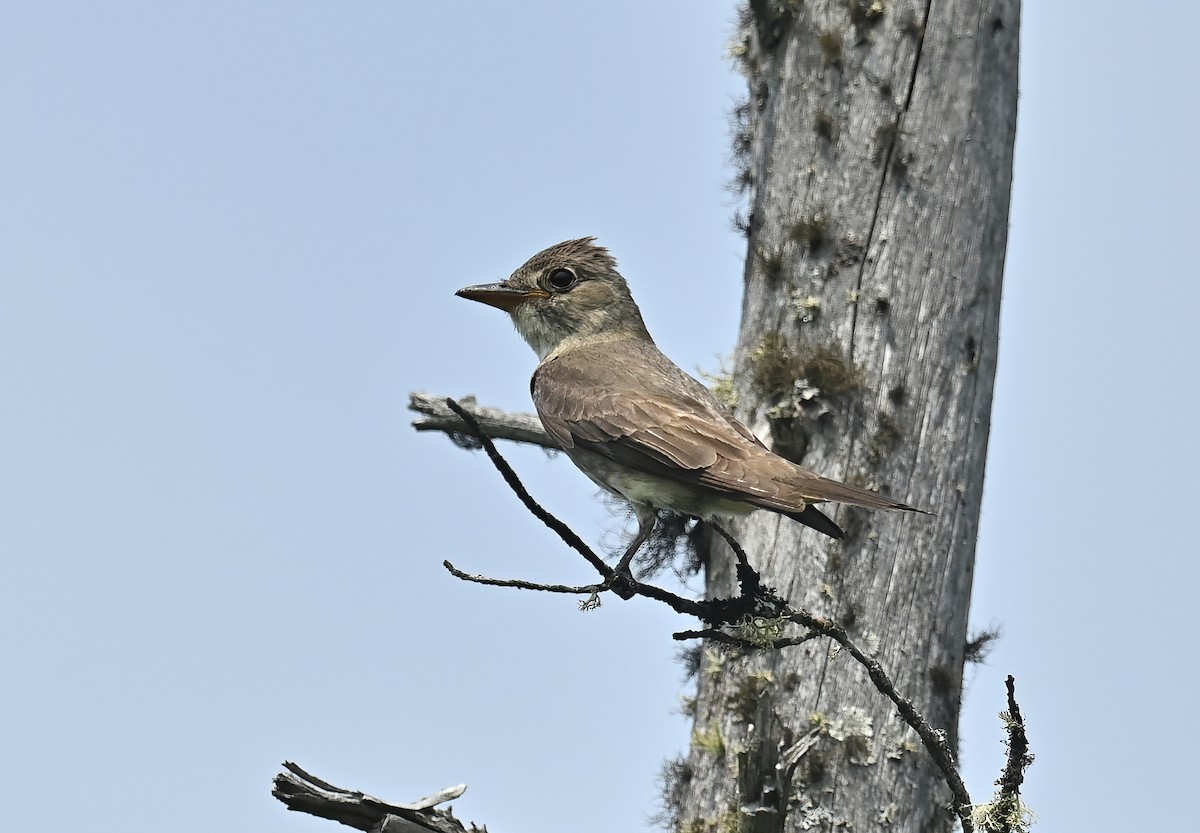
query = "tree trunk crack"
x=887 y=166
x=877 y=208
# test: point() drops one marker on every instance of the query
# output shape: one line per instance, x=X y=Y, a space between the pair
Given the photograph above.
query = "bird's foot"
x=622 y=582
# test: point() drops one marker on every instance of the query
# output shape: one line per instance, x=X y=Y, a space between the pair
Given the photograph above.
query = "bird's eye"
x=562 y=279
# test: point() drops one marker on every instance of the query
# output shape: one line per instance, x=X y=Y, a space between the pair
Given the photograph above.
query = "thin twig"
x=748 y=577
x=523 y=585
x=717 y=635
x=510 y=477
x=934 y=740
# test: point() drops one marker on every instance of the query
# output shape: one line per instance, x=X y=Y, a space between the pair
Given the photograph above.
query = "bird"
x=630 y=419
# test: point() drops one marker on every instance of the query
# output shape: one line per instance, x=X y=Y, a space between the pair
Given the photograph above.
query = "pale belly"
x=659 y=492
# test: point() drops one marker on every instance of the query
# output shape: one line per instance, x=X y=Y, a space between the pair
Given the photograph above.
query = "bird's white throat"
x=536 y=334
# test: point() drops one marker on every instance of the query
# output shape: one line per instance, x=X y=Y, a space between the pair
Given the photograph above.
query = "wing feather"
x=635 y=407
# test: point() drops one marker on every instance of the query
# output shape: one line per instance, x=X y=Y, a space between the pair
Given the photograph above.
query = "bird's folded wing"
x=667 y=424
x=673 y=430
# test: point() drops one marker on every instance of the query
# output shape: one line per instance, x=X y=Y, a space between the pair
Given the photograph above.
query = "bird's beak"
x=500 y=295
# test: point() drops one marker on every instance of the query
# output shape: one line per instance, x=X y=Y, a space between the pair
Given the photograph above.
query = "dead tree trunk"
x=877 y=145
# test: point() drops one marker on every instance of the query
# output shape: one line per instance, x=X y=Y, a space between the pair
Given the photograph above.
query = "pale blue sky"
x=230 y=234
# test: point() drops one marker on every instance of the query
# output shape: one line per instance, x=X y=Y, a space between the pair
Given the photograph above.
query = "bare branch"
x=495 y=422
x=748 y=577
x=718 y=635
x=473 y=427
x=306 y=793
x=934 y=740
x=521 y=584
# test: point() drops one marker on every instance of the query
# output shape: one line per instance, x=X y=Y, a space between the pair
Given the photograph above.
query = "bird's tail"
x=820 y=489
x=813 y=517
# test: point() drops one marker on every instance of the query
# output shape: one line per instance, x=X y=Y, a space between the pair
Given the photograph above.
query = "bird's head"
x=568 y=292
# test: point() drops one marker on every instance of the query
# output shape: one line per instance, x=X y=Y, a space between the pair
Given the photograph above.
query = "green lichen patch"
x=774 y=367
x=777 y=369
x=827 y=371
x=709 y=740
x=714 y=661
x=744 y=699
x=761 y=630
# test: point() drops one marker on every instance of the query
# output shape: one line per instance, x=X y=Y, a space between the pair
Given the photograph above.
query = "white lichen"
x=853 y=727
x=1005 y=814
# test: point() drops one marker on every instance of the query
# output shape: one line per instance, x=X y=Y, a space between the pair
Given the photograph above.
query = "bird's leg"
x=647 y=519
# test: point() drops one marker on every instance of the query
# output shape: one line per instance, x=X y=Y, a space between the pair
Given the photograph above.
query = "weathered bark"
x=878 y=145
